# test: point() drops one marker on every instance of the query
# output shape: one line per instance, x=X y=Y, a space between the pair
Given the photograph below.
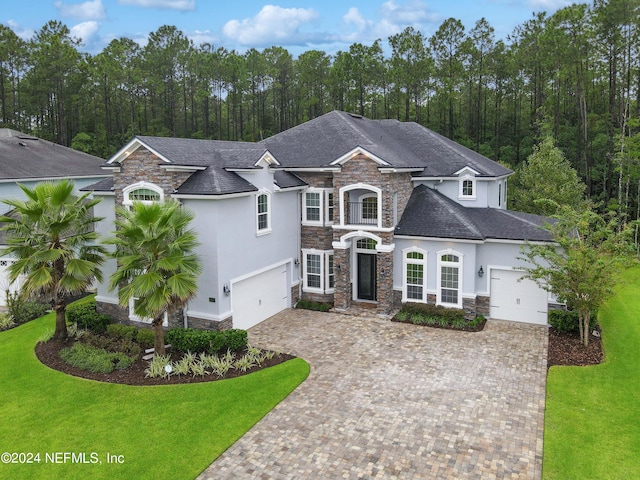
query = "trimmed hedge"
x=143 y=336
x=451 y=315
x=566 y=321
x=207 y=341
x=86 y=316
x=313 y=305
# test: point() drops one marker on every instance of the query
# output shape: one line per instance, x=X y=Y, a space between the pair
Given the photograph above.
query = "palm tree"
x=157 y=266
x=52 y=236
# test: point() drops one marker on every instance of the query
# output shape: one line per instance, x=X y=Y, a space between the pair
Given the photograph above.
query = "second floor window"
x=263 y=217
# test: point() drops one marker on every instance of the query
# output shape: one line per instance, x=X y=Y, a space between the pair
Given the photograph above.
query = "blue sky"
x=297 y=25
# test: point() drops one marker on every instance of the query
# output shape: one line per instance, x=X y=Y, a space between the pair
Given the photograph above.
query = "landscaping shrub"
x=22 y=310
x=436 y=315
x=566 y=321
x=207 y=341
x=86 y=316
x=112 y=344
x=119 y=331
x=145 y=337
x=95 y=359
x=6 y=321
x=313 y=305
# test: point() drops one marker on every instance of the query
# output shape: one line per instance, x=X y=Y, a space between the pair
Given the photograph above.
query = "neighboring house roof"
x=105 y=185
x=319 y=142
x=27 y=157
x=448 y=219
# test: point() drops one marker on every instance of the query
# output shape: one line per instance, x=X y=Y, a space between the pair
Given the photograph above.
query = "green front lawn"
x=172 y=431
x=592 y=421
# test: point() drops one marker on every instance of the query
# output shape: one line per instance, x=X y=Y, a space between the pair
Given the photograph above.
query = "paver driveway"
x=390 y=400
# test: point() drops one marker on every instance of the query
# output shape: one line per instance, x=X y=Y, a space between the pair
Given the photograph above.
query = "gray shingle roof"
x=322 y=140
x=215 y=181
x=431 y=214
x=188 y=151
x=285 y=179
x=25 y=156
x=105 y=185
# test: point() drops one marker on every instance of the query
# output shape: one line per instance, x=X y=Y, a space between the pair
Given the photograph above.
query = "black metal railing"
x=362 y=213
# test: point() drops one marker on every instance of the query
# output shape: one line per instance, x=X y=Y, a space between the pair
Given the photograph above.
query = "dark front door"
x=366 y=276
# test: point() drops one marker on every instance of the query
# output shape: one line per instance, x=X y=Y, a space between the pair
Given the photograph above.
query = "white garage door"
x=258 y=297
x=518 y=301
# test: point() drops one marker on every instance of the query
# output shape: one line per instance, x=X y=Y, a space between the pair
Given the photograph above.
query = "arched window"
x=449 y=279
x=414 y=270
x=142 y=192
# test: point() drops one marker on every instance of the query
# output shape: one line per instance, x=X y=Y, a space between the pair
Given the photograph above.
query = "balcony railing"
x=362 y=213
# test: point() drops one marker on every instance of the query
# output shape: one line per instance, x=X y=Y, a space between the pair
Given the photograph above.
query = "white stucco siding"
x=105 y=228
x=232 y=249
x=9 y=190
x=486 y=191
x=466 y=250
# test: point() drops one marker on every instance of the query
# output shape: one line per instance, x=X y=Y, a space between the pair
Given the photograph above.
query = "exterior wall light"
x=481 y=272
x=226 y=289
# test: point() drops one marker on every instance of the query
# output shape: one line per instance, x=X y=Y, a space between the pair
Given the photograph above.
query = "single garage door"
x=258 y=297
x=518 y=301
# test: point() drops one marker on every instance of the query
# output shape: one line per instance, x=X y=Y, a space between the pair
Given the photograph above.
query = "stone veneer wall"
x=121 y=315
x=143 y=165
x=361 y=169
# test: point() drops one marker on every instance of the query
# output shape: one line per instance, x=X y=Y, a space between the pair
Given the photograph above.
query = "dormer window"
x=467 y=189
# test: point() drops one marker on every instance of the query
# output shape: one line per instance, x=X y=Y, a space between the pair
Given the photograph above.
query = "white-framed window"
x=329 y=208
x=449 y=279
x=317 y=206
x=467 y=189
x=263 y=213
x=144 y=192
x=499 y=194
x=414 y=273
x=369 y=209
x=318 y=271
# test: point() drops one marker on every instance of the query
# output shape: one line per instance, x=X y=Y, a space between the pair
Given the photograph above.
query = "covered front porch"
x=364 y=272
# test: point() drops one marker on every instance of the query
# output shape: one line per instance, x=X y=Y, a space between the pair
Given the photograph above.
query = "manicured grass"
x=592 y=421
x=172 y=431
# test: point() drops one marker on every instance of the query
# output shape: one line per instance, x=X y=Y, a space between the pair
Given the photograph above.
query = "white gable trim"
x=268 y=158
x=468 y=171
x=131 y=147
x=359 y=151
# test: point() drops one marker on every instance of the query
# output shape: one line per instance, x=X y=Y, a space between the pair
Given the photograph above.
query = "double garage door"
x=259 y=296
x=516 y=299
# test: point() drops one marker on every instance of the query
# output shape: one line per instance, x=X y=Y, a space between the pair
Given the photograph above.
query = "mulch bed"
x=49 y=354
x=567 y=349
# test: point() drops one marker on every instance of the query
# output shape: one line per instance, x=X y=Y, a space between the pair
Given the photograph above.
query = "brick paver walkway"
x=389 y=400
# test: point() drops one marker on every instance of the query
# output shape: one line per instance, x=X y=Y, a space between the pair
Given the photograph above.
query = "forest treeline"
x=573 y=75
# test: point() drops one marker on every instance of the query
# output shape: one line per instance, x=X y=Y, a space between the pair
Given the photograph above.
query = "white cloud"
x=199 y=37
x=85 y=30
x=549 y=5
x=90 y=10
x=415 y=11
x=272 y=24
x=393 y=19
x=168 y=4
x=24 y=33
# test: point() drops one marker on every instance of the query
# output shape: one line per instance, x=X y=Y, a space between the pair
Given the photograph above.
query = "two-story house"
x=340 y=209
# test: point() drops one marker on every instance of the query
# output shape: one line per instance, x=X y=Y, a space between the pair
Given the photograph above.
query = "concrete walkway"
x=389 y=400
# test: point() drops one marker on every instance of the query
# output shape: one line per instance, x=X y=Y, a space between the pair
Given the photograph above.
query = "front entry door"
x=366 y=276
